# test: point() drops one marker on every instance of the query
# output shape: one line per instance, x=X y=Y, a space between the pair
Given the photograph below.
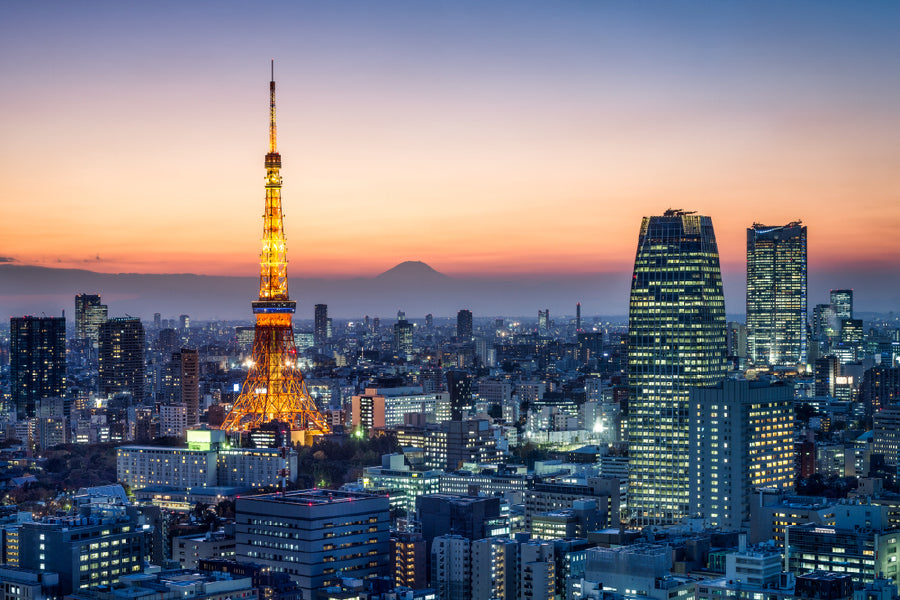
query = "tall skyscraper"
x=181 y=383
x=89 y=314
x=37 y=361
x=544 y=320
x=122 y=357
x=776 y=294
x=842 y=301
x=320 y=327
x=464 y=325
x=676 y=341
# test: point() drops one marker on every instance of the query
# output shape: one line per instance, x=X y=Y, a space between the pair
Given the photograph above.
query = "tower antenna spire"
x=272 y=129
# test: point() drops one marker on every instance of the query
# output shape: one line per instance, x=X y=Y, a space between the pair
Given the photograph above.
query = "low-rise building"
x=636 y=571
x=188 y=550
x=169 y=585
x=863 y=553
x=207 y=461
x=27 y=584
x=86 y=551
x=396 y=476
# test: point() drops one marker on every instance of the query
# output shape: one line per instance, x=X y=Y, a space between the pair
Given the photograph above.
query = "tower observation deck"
x=275 y=389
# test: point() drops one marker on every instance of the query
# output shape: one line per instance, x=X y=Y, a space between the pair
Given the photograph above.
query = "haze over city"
x=484 y=140
x=449 y=301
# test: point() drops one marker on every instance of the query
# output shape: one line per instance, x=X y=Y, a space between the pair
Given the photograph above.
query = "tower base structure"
x=275 y=389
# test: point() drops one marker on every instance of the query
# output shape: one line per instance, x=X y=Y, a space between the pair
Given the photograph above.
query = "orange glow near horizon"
x=536 y=147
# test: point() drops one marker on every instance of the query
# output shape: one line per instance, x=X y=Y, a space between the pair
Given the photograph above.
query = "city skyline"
x=477 y=139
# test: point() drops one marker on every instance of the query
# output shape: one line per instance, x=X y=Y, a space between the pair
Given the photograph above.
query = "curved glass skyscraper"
x=676 y=341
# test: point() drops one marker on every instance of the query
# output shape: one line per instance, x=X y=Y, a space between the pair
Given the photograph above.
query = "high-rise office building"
x=851 y=347
x=741 y=439
x=122 y=357
x=776 y=294
x=332 y=534
x=736 y=340
x=826 y=371
x=459 y=384
x=842 y=301
x=181 y=383
x=825 y=323
x=880 y=388
x=89 y=314
x=676 y=341
x=544 y=320
x=403 y=335
x=464 y=325
x=320 y=327
x=37 y=361
x=886 y=435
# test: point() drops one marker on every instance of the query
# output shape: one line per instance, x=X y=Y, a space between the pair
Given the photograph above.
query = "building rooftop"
x=314 y=496
x=823 y=576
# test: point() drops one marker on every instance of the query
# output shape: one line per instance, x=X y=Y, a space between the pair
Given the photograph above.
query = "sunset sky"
x=480 y=137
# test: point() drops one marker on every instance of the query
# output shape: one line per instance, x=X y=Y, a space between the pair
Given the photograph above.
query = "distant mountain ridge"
x=412 y=286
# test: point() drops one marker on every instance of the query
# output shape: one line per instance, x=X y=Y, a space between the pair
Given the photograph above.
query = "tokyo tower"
x=275 y=389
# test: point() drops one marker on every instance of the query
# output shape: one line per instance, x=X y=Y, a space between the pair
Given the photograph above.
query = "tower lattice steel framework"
x=274 y=389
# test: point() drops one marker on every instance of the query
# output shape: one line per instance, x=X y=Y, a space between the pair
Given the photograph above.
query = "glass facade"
x=676 y=341
x=37 y=358
x=776 y=294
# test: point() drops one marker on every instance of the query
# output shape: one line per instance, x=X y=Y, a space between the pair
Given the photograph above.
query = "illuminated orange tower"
x=275 y=389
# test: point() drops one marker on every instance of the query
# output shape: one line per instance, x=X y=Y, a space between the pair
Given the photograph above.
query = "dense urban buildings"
x=776 y=295
x=456 y=457
x=676 y=341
